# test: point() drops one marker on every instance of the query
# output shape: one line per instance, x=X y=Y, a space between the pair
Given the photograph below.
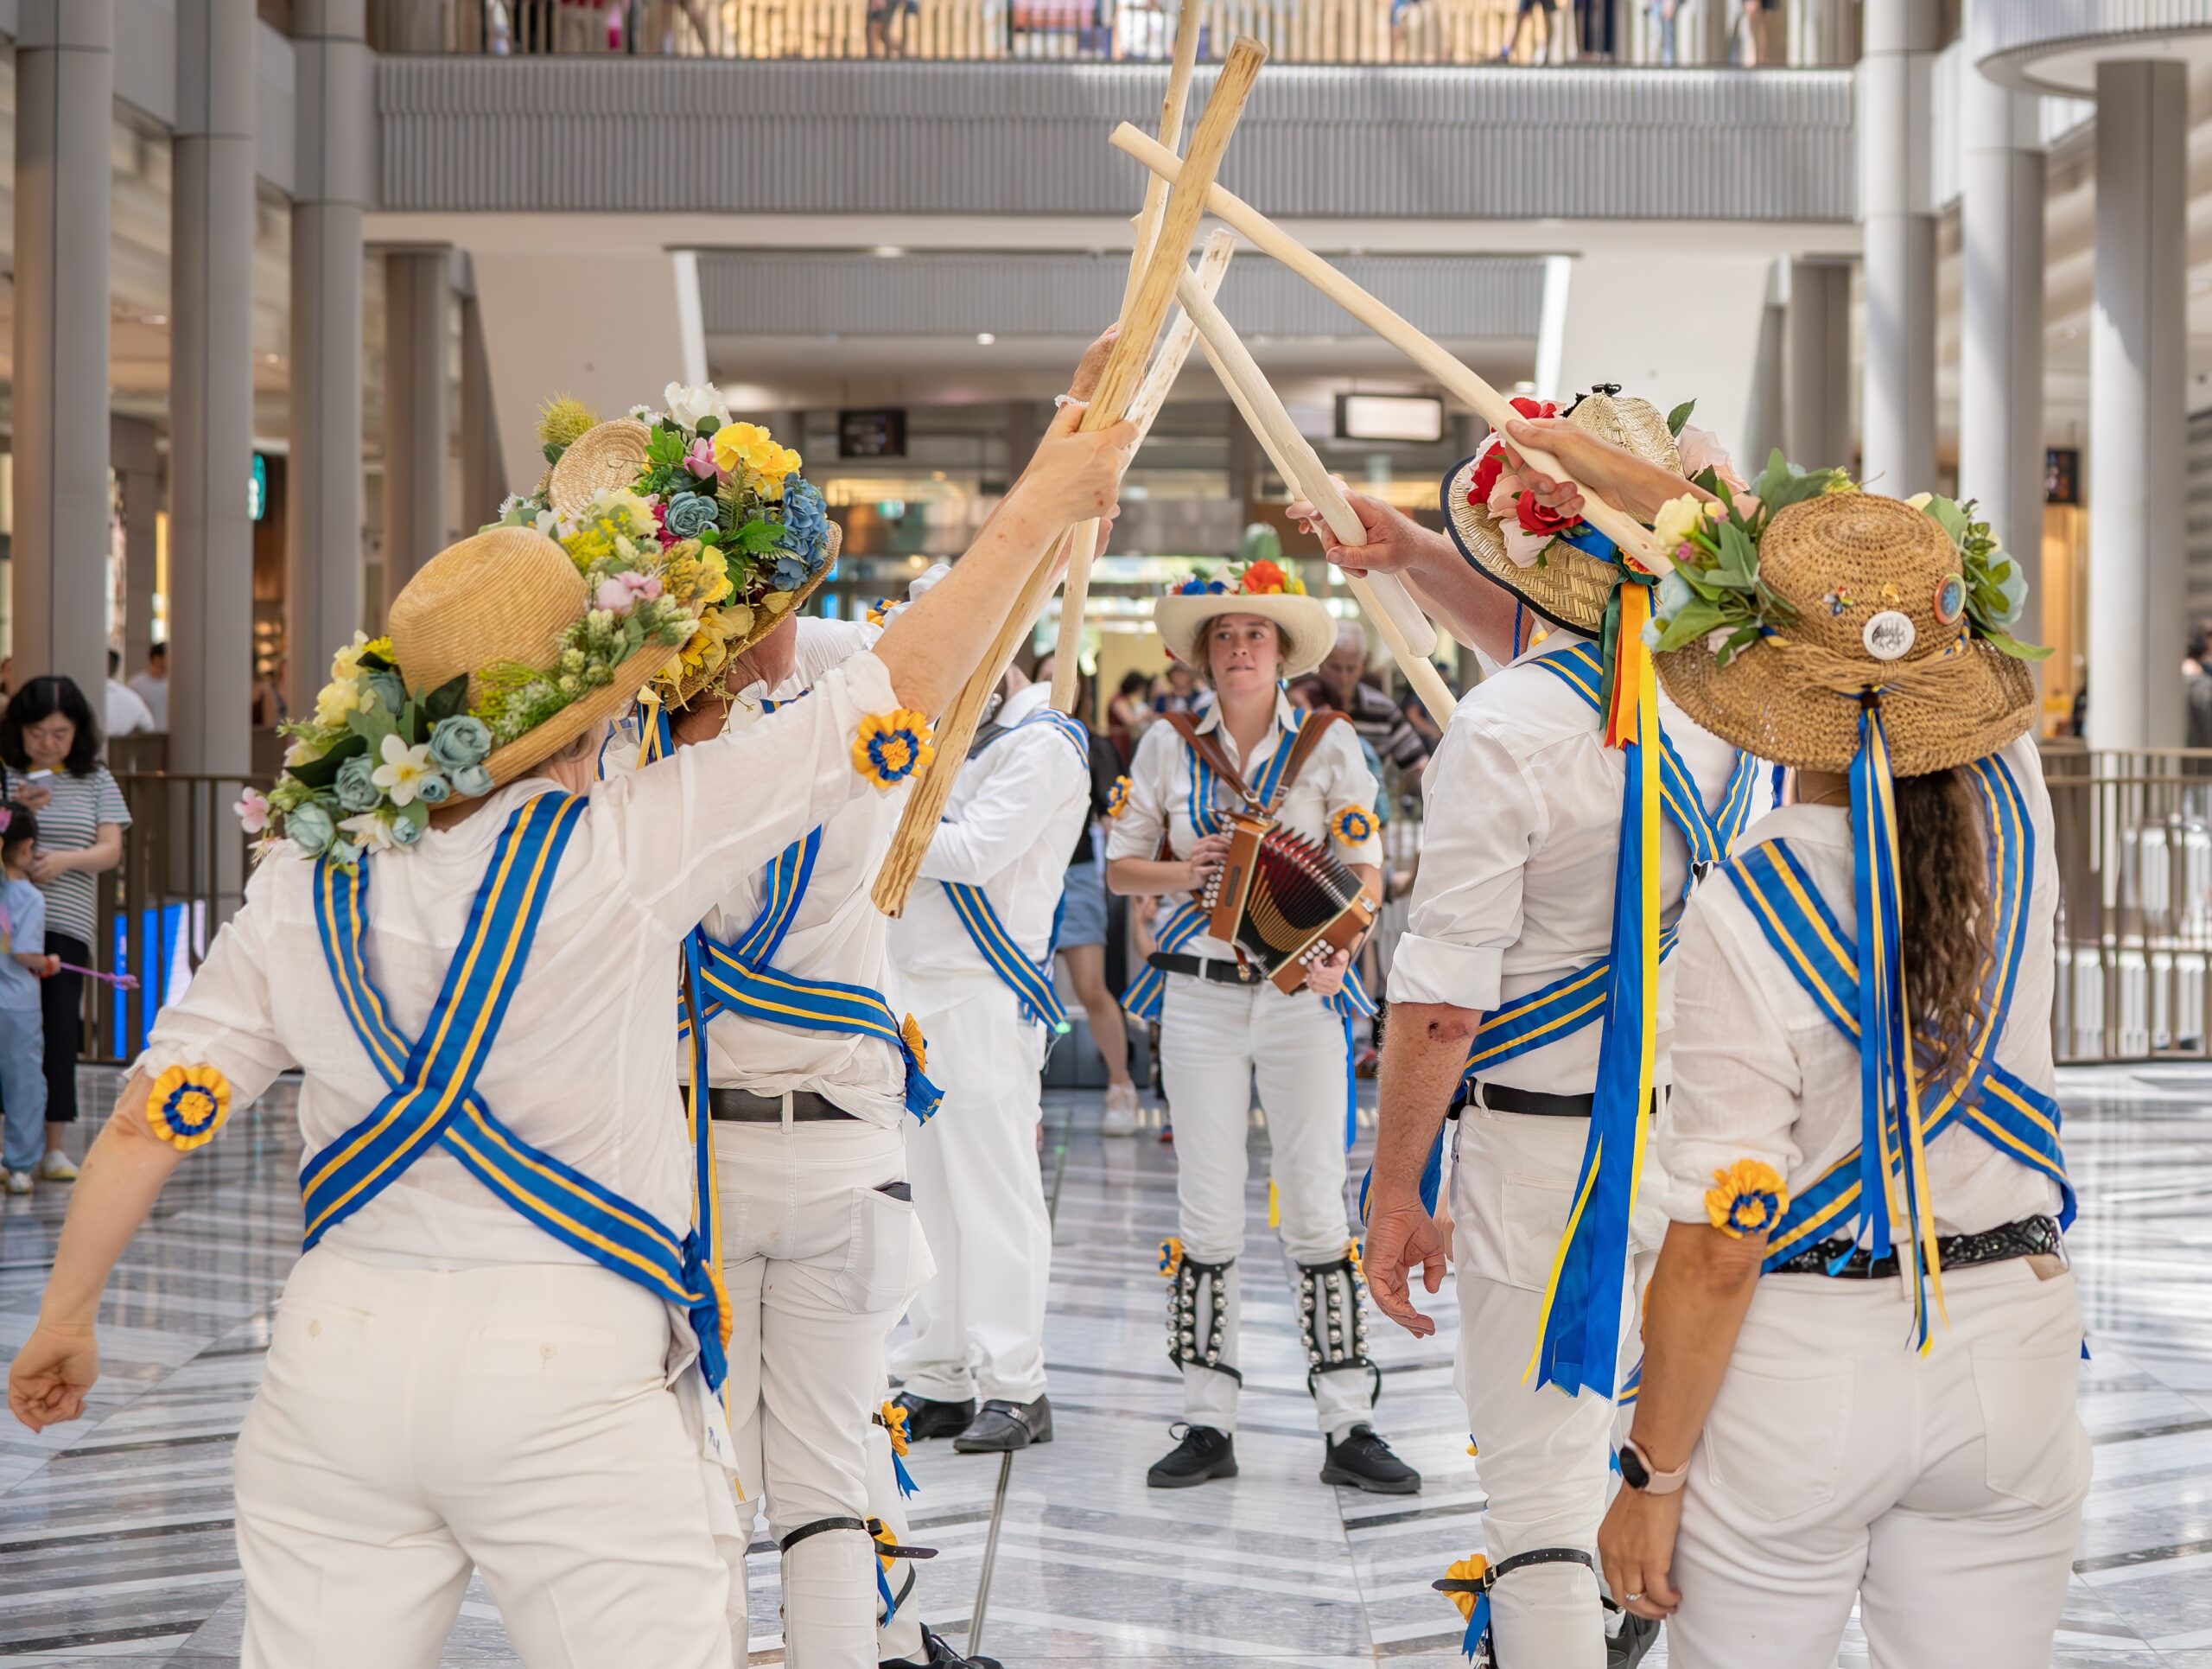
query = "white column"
x=1897 y=398
x=2139 y=352
x=210 y=392
x=323 y=505
x=65 y=101
x=2000 y=365
x=418 y=303
x=1817 y=393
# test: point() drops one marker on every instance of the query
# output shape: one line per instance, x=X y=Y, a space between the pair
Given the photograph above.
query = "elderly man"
x=1379 y=721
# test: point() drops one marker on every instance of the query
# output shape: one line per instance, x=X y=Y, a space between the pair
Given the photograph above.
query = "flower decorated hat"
x=504 y=649
x=1777 y=630
x=704 y=481
x=1259 y=587
x=1564 y=570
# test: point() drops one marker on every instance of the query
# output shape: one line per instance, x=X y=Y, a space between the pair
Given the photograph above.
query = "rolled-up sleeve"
x=1484 y=818
x=1738 y=1085
x=223 y=1017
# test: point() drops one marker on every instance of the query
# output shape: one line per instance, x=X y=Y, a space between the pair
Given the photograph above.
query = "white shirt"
x=154 y=691
x=585 y=1067
x=1760 y=1073
x=126 y=715
x=1012 y=819
x=1518 y=851
x=1335 y=776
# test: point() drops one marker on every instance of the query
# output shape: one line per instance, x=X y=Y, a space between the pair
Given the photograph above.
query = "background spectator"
x=1176 y=689
x=152 y=685
x=1382 y=723
x=270 y=709
x=1547 y=30
x=127 y=715
x=1127 y=714
x=23 y=962
x=50 y=764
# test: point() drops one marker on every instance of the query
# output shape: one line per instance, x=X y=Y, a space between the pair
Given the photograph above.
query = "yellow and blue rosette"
x=893 y=1418
x=909 y=1033
x=1170 y=1257
x=1353 y=827
x=879 y=610
x=189 y=1106
x=1467 y=1583
x=1747 y=1198
x=1117 y=797
x=892 y=746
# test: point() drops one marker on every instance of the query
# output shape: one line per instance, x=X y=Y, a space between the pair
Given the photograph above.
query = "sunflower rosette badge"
x=714 y=490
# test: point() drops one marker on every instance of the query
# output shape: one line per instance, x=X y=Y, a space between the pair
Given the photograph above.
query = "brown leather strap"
x=1302 y=743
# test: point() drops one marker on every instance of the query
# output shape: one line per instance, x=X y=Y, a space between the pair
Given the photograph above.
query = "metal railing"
x=1800 y=34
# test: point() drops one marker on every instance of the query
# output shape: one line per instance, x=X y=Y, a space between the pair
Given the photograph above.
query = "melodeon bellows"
x=1285 y=901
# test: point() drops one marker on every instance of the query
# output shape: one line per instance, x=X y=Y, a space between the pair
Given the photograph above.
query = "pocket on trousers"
x=2034 y=1447
x=1532 y=1220
x=1776 y=1438
x=889 y=1260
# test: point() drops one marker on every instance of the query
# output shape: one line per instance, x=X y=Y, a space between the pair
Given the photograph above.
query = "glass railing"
x=1648 y=34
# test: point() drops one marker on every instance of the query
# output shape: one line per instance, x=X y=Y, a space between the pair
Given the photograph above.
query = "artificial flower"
x=459 y=741
x=371 y=831
x=1920 y=501
x=252 y=809
x=356 y=787
x=432 y=790
x=310 y=826
x=909 y=1033
x=1353 y=827
x=1535 y=519
x=689 y=514
x=1117 y=797
x=1747 y=1199
x=1262 y=579
x=1171 y=1257
x=699 y=460
x=1677 y=519
x=189 y=1104
x=562 y=421
x=806 y=523
x=470 y=782
x=404 y=768
x=619 y=593
x=335 y=700
x=1488 y=468
x=346 y=665
x=405 y=830
x=1700 y=450
x=692 y=403
x=791 y=572
x=892 y=746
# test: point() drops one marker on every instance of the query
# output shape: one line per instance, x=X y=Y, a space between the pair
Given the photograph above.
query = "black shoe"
x=1000 y=1425
x=938 y=1653
x=1205 y=1452
x=925 y=1419
x=1626 y=1649
x=1363 y=1461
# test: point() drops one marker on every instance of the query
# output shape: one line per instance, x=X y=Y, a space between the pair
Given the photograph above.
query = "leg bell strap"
x=1197 y=1310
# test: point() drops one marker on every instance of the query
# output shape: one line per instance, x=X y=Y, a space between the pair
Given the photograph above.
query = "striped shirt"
x=69 y=822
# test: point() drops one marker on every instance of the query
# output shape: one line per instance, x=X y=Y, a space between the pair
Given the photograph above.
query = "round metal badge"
x=1950 y=599
x=1888 y=635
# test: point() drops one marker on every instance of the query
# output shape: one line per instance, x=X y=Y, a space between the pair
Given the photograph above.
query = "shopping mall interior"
x=288 y=287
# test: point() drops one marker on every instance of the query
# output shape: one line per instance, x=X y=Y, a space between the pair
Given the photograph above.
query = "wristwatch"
x=1638 y=1473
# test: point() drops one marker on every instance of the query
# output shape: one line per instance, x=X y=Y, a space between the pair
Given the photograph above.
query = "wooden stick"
x=1074 y=597
x=1630 y=535
x=1110 y=402
x=1296 y=462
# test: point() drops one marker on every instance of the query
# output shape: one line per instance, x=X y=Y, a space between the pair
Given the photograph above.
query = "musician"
x=1502 y=991
x=1792 y=1450
x=471 y=1361
x=974 y=952
x=1222 y=1021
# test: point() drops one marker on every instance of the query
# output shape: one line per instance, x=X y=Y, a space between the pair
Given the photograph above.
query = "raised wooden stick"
x=1296 y=462
x=1630 y=535
x=1074 y=597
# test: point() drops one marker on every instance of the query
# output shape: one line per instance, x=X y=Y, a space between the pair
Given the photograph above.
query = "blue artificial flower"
x=391 y=695
x=355 y=790
x=2014 y=586
x=791 y=572
x=460 y=741
x=405 y=831
x=310 y=825
x=806 y=523
x=470 y=781
x=432 y=790
x=690 y=515
x=1675 y=594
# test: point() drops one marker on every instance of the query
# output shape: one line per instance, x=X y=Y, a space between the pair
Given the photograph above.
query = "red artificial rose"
x=1262 y=578
x=1488 y=468
x=1529 y=408
x=1534 y=519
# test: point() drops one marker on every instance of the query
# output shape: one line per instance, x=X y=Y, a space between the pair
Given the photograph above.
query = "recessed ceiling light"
x=889 y=250
x=984 y=338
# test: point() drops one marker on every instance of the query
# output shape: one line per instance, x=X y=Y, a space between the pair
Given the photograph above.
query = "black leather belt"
x=1542 y=1103
x=744 y=1107
x=1219 y=969
x=2028 y=1238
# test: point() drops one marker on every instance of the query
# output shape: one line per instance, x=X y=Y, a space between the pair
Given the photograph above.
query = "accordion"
x=1284 y=902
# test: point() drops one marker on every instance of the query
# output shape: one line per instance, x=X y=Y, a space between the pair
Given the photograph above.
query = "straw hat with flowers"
x=1564 y=569
x=1261 y=588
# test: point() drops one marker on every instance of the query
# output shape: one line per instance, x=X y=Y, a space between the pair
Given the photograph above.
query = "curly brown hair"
x=1943 y=874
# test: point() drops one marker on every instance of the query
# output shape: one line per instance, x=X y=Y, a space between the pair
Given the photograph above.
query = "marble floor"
x=116 y=1530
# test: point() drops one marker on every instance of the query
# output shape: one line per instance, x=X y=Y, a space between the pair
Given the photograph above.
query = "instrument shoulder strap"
x=1303 y=740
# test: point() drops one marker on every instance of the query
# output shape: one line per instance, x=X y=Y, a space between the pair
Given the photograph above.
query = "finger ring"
x=1631 y=1599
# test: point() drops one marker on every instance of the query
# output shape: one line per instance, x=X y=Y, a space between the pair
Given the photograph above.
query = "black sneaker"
x=925 y=1419
x=1204 y=1453
x=1000 y=1425
x=937 y=1653
x=1363 y=1461
x=1626 y=1649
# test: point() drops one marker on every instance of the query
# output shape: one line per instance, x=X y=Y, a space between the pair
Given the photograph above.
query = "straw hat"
x=1309 y=630
x=684 y=685
x=1871 y=581
x=605 y=456
x=505 y=596
x=1569 y=588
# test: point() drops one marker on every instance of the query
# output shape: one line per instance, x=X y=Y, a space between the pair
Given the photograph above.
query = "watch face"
x=1632 y=1469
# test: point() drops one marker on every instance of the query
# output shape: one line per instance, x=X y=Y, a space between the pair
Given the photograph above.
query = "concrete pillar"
x=131 y=442
x=65 y=100
x=1898 y=399
x=484 y=485
x=2000 y=360
x=2139 y=353
x=418 y=299
x=1816 y=392
x=210 y=392
x=322 y=504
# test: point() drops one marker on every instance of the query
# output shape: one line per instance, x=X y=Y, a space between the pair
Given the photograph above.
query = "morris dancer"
x=1222 y=1022
x=497 y=1282
x=1529 y=969
x=975 y=956
x=1902 y=909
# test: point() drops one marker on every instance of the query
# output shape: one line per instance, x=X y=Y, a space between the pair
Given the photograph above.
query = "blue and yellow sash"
x=431 y=1097
x=1996 y=1104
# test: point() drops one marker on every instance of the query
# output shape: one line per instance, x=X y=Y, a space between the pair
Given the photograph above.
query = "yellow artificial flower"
x=894 y=1421
x=1747 y=1199
x=189 y=1106
x=890 y=746
x=335 y=700
x=1117 y=797
x=564 y=420
x=909 y=1031
x=734 y=442
x=1677 y=520
x=1474 y=1568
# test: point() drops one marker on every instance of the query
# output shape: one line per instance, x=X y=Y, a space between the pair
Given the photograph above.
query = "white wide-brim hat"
x=1309 y=630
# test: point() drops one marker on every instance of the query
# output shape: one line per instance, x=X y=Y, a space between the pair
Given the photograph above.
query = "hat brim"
x=605 y=705
x=1567 y=587
x=1984 y=700
x=1309 y=629
x=766 y=620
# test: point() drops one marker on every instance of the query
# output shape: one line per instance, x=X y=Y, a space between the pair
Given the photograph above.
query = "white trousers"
x=819 y=1262
x=1214 y=1041
x=1544 y=1457
x=1943 y=1492
x=978 y=1324
x=412 y=1423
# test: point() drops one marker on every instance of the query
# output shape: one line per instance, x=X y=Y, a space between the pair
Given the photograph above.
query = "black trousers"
x=62 y=999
